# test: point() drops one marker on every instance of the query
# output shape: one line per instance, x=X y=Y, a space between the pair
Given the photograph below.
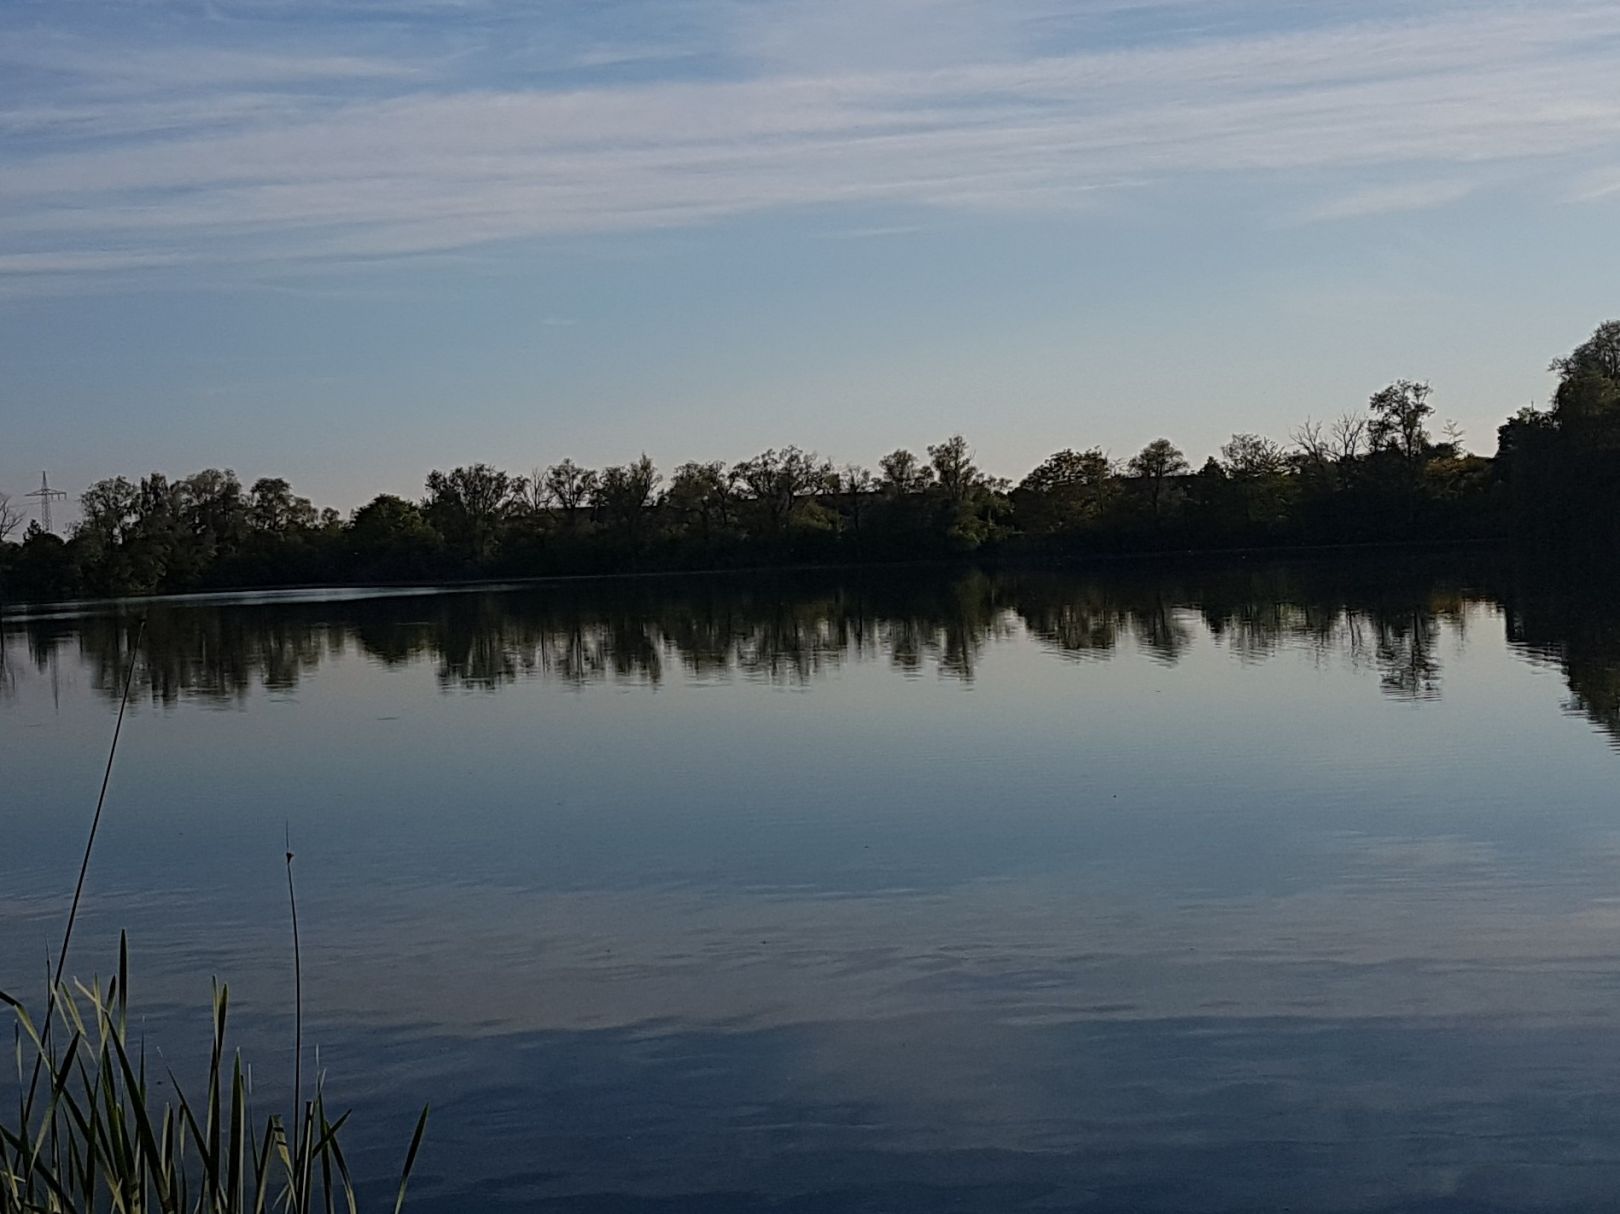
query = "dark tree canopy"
x=1399 y=420
x=954 y=470
x=1248 y=457
x=569 y=487
x=466 y=504
x=904 y=473
x=625 y=495
x=1068 y=489
x=1155 y=464
x=780 y=484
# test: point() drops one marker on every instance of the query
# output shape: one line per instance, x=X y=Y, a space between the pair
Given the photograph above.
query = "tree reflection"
x=1386 y=623
x=1389 y=622
x=1407 y=664
x=1076 y=621
x=1576 y=627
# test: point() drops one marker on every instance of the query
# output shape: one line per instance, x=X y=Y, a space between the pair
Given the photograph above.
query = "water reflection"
x=1267 y=886
x=579 y=633
x=1578 y=630
x=795 y=630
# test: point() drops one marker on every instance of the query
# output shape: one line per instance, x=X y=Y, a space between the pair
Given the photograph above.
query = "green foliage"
x=90 y=1134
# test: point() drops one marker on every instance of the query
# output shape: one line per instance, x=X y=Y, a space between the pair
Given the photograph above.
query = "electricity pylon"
x=46 y=496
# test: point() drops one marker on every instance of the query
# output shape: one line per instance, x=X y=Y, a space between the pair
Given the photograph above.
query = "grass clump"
x=89 y=1136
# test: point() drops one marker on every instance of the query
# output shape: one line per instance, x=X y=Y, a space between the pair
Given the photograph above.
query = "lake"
x=1225 y=887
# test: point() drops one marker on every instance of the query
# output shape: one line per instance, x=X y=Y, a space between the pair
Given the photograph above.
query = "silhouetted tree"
x=781 y=484
x=1525 y=430
x=1349 y=437
x=274 y=507
x=1252 y=457
x=1068 y=489
x=1154 y=465
x=700 y=499
x=625 y=495
x=1586 y=404
x=1256 y=470
x=1399 y=419
x=571 y=488
x=855 y=486
x=529 y=498
x=107 y=510
x=954 y=471
x=1598 y=355
x=903 y=473
x=11 y=517
x=392 y=538
x=466 y=504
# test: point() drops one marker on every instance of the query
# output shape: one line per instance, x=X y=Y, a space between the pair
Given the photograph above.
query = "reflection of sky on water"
x=1289 y=904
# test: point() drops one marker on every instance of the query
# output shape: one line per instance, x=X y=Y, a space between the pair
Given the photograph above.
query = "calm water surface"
x=1226 y=889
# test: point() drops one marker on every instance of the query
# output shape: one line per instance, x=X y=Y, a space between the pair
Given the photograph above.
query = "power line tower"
x=46 y=496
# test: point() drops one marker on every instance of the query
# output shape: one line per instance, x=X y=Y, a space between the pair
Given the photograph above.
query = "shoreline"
x=990 y=561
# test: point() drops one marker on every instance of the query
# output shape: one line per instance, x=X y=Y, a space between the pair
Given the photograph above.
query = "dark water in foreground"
x=1231 y=889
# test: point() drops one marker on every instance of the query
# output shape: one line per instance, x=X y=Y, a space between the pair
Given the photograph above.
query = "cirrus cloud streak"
x=258 y=158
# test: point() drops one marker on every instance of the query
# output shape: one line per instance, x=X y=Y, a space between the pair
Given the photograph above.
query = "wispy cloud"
x=873 y=232
x=1391 y=199
x=1601 y=184
x=79 y=262
x=422 y=161
x=191 y=67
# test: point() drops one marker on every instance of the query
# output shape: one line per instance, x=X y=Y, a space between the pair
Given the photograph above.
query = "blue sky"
x=348 y=241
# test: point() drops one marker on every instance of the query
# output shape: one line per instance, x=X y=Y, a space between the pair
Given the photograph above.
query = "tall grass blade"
x=410 y=1159
x=84 y=863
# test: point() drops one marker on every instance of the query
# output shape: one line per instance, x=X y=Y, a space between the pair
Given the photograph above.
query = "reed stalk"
x=99 y=1141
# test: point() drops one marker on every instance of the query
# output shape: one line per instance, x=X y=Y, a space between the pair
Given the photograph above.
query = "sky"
x=349 y=241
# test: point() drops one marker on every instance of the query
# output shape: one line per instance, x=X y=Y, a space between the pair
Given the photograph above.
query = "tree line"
x=1383 y=473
